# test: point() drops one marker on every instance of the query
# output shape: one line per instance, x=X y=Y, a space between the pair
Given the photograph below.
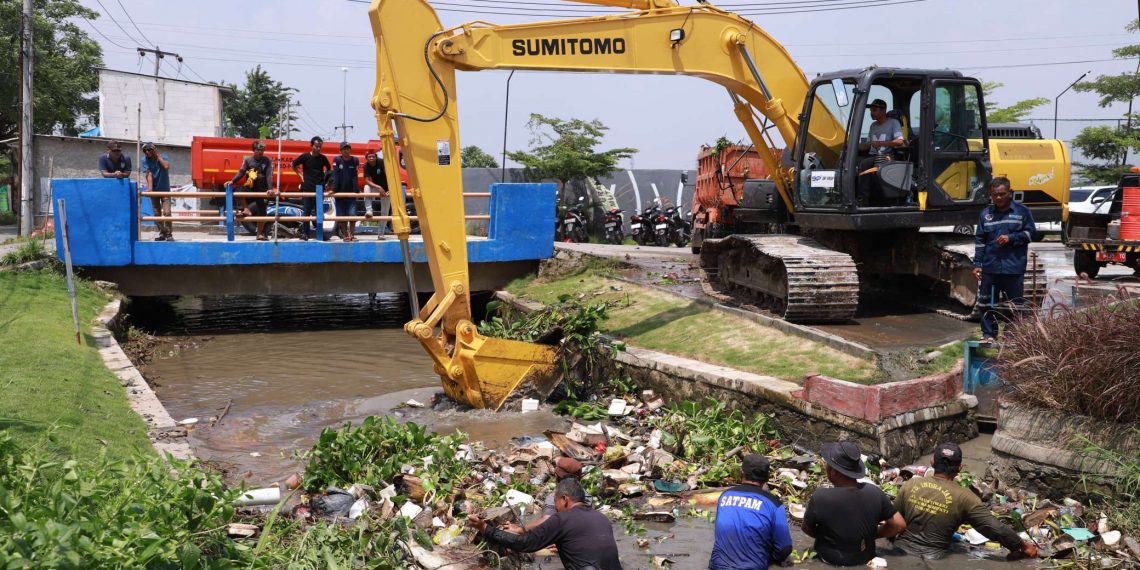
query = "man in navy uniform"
x=751 y=523
x=1001 y=251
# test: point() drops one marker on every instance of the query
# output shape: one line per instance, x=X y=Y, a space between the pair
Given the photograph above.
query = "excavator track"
x=795 y=277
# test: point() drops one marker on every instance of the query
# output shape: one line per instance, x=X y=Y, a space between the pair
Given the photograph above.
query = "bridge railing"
x=229 y=217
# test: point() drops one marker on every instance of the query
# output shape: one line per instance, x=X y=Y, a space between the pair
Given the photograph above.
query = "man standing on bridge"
x=157 y=169
x=113 y=163
x=1001 y=249
x=315 y=167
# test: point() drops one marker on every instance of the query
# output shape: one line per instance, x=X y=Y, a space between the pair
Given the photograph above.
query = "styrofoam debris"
x=411 y=510
x=529 y=405
x=617 y=407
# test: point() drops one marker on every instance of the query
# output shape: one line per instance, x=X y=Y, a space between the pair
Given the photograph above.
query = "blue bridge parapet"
x=102 y=216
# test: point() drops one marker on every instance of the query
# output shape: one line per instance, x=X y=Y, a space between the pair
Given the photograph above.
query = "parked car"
x=1086 y=199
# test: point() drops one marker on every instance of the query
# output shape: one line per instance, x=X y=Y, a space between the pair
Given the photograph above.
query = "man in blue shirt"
x=157 y=169
x=1001 y=250
x=751 y=523
x=345 y=169
x=113 y=163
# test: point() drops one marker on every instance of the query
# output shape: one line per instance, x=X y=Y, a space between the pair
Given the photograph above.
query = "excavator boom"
x=415 y=92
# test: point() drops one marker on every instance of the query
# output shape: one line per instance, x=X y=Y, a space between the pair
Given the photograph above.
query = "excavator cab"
x=939 y=176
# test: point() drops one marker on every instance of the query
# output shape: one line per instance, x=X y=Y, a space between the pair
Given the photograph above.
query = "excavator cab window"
x=959 y=160
x=821 y=145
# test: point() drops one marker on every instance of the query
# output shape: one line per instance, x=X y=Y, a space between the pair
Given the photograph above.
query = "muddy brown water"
x=292 y=367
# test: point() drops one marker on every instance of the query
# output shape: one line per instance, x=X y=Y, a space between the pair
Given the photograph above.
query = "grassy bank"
x=658 y=321
x=57 y=393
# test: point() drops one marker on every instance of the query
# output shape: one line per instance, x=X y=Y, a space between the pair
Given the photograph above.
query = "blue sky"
x=305 y=43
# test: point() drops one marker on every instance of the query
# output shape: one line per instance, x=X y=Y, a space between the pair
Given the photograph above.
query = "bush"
x=373 y=453
x=31 y=250
x=1081 y=362
x=704 y=434
x=109 y=514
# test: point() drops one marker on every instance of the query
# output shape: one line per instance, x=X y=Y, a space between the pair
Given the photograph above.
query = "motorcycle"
x=285 y=227
x=615 y=233
x=643 y=226
x=679 y=228
x=661 y=229
x=574 y=223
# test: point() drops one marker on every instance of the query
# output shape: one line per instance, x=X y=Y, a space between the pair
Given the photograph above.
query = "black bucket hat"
x=844 y=457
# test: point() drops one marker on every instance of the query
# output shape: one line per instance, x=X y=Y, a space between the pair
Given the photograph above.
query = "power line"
x=104 y=36
x=1039 y=64
x=777 y=10
x=132 y=20
x=912 y=53
x=107 y=13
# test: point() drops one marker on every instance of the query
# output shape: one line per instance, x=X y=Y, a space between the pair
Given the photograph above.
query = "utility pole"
x=158 y=55
x=343 y=107
x=27 y=199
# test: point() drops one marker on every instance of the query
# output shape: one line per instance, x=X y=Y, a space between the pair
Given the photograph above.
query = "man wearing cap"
x=564 y=468
x=113 y=163
x=157 y=169
x=584 y=537
x=345 y=169
x=376 y=181
x=311 y=168
x=883 y=135
x=257 y=170
x=934 y=508
x=846 y=519
x=751 y=523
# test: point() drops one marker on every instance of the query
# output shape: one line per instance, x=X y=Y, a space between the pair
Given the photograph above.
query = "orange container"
x=215 y=160
x=720 y=178
x=1130 y=215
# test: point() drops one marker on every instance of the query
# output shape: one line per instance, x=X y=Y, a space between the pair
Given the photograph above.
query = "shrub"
x=135 y=513
x=1081 y=362
x=30 y=250
x=374 y=452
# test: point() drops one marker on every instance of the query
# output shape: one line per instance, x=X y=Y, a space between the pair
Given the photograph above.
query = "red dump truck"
x=732 y=193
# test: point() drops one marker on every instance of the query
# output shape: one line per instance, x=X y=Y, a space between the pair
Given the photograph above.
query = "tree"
x=1110 y=144
x=1011 y=114
x=563 y=150
x=258 y=105
x=65 y=76
x=473 y=157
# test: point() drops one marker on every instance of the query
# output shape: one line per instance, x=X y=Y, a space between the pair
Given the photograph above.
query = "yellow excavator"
x=831 y=228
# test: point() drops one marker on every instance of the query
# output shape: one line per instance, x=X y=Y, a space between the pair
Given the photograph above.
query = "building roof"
x=223 y=88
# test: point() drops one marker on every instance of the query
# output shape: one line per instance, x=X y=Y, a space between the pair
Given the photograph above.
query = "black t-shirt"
x=313 y=169
x=376 y=174
x=846 y=520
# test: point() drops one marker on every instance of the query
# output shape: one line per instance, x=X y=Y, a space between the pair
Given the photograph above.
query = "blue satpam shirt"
x=751 y=530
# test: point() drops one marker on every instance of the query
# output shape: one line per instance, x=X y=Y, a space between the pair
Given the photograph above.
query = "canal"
x=284 y=368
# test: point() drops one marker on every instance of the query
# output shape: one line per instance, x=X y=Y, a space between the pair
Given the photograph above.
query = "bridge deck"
x=105 y=242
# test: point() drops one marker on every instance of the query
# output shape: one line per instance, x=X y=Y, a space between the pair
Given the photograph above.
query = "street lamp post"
x=344 y=104
x=1057 y=99
x=506 y=111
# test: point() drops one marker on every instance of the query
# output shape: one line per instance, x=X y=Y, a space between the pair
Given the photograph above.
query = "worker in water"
x=1001 y=252
x=257 y=172
x=311 y=168
x=564 y=468
x=883 y=135
x=751 y=530
x=113 y=163
x=157 y=169
x=934 y=508
x=376 y=182
x=584 y=537
x=345 y=169
x=846 y=519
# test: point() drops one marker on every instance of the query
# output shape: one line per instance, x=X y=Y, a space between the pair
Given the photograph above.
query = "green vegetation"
x=257 y=109
x=1011 y=114
x=474 y=157
x=704 y=433
x=29 y=250
x=53 y=387
x=373 y=453
x=66 y=72
x=8 y=218
x=564 y=149
x=1108 y=146
x=658 y=321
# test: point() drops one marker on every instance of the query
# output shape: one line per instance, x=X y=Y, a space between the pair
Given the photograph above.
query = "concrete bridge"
x=104 y=232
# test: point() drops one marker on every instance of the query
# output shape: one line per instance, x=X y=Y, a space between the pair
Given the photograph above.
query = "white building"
x=173 y=111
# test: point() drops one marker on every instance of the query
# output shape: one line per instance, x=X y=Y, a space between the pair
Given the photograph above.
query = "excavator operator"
x=884 y=134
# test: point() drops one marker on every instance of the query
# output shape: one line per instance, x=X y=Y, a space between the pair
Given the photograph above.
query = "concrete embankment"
x=900 y=420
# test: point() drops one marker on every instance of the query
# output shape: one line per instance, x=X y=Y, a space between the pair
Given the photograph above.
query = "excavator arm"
x=415 y=92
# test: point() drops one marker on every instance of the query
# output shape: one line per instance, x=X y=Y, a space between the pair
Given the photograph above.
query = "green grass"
x=667 y=323
x=51 y=386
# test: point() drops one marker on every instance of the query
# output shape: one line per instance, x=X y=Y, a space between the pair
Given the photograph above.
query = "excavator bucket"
x=500 y=368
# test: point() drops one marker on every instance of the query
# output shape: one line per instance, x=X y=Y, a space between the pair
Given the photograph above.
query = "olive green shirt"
x=934 y=508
